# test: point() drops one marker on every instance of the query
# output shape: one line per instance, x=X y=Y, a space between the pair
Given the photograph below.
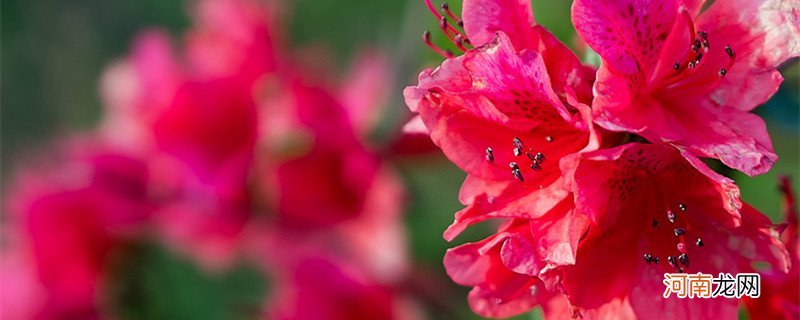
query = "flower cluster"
x=597 y=173
x=224 y=149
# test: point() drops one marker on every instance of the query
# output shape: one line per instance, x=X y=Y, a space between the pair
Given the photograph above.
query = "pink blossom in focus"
x=672 y=72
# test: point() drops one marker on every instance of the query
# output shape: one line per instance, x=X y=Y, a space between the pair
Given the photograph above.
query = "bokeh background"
x=53 y=53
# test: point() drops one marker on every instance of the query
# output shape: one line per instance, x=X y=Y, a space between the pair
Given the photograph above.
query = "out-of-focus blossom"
x=65 y=224
x=196 y=119
x=325 y=182
x=672 y=72
x=780 y=292
x=205 y=141
x=314 y=282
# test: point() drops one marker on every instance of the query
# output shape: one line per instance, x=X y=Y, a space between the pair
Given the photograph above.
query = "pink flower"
x=328 y=182
x=675 y=74
x=483 y=19
x=321 y=178
x=197 y=121
x=655 y=212
x=509 y=270
x=780 y=291
x=234 y=38
x=507 y=112
x=322 y=287
x=494 y=114
x=65 y=222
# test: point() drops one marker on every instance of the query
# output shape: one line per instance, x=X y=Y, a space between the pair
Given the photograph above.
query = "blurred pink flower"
x=689 y=78
x=197 y=120
x=65 y=224
x=780 y=291
x=311 y=282
x=321 y=178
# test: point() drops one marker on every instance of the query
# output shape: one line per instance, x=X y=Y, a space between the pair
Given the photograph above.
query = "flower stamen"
x=426 y=37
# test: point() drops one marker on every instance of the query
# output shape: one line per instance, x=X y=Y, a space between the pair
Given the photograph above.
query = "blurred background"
x=54 y=53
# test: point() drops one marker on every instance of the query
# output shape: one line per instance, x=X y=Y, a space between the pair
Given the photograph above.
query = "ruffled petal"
x=763 y=34
x=483 y=19
x=627 y=34
x=648 y=200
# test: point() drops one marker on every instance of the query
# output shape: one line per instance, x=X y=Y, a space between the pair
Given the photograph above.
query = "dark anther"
x=671 y=261
x=517 y=152
x=702 y=35
x=680 y=270
x=517 y=142
x=655 y=260
x=445 y=6
x=648 y=258
x=515 y=171
x=670 y=216
x=548 y=138
x=539 y=157
x=705 y=44
x=690 y=65
x=684 y=259
x=722 y=72
x=536 y=167
x=729 y=51
x=682 y=207
x=699 y=242
x=679 y=231
x=489 y=154
x=676 y=66
x=655 y=223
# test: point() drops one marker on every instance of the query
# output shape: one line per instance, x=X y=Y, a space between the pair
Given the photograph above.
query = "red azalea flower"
x=483 y=19
x=63 y=227
x=654 y=212
x=494 y=114
x=509 y=270
x=780 y=292
x=675 y=74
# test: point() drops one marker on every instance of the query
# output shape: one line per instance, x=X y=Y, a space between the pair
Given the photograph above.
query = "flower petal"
x=763 y=35
x=483 y=19
x=626 y=33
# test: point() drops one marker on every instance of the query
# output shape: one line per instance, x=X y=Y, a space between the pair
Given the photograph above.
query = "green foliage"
x=153 y=283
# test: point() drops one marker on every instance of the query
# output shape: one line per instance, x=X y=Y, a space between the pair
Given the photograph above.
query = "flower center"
x=675 y=229
x=519 y=158
x=700 y=68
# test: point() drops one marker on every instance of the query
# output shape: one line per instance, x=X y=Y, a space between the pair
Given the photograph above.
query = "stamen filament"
x=426 y=37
